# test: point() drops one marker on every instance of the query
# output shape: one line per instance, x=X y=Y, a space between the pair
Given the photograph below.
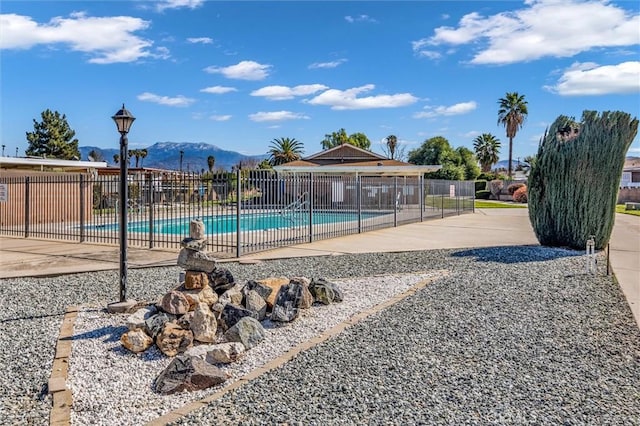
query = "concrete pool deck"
x=485 y=228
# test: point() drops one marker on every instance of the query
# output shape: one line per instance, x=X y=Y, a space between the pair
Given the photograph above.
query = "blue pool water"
x=220 y=224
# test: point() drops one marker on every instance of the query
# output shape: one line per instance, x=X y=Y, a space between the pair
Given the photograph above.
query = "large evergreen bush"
x=573 y=186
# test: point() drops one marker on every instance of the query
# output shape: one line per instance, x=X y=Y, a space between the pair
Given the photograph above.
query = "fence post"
x=82 y=207
x=151 y=195
x=26 y=206
x=421 y=196
x=458 y=197
x=310 y=207
x=238 y=203
x=442 y=205
x=397 y=201
x=359 y=202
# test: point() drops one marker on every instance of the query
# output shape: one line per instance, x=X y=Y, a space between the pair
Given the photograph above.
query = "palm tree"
x=512 y=114
x=392 y=143
x=487 y=148
x=116 y=158
x=284 y=150
x=143 y=154
x=211 y=161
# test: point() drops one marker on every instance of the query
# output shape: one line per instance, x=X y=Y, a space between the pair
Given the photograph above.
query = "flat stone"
x=191 y=260
x=121 y=307
x=193 y=244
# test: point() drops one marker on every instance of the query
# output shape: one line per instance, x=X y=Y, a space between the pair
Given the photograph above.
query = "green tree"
x=465 y=157
x=436 y=150
x=487 y=148
x=573 y=183
x=95 y=155
x=116 y=158
x=284 y=150
x=512 y=113
x=137 y=154
x=340 y=138
x=53 y=137
x=143 y=154
x=211 y=161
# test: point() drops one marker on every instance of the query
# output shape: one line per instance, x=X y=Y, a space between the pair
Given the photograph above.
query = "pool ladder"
x=293 y=210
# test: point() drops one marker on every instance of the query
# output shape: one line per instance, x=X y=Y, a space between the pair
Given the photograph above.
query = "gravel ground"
x=513 y=335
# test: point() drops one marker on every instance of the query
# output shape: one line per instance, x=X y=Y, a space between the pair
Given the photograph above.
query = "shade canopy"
x=124 y=119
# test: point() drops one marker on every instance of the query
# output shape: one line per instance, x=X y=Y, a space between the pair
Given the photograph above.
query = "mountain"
x=166 y=155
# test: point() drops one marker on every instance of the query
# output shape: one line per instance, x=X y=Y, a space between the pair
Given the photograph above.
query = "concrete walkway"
x=485 y=228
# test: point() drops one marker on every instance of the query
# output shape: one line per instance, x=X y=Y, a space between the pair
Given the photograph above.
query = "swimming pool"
x=220 y=224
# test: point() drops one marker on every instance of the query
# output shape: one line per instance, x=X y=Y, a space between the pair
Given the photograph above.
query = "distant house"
x=631 y=173
x=349 y=159
x=24 y=165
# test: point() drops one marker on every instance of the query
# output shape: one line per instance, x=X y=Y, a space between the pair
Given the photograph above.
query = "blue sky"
x=239 y=74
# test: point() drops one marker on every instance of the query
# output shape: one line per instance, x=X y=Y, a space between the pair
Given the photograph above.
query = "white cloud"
x=278 y=93
x=277 y=116
x=472 y=134
x=592 y=79
x=201 y=40
x=456 y=109
x=218 y=90
x=543 y=28
x=359 y=18
x=331 y=64
x=220 y=117
x=177 y=4
x=633 y=150
x=244 y=70
x=348 y=99
x=177 y=101
x=106 y=40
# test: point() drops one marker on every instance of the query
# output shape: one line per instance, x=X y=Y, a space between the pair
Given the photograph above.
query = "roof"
x=345 y=153
x=351 y=159
x=49 y=164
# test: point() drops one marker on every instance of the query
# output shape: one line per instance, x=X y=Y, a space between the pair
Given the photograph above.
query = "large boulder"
x=231 y=314
x=259 y=288
x=307 y=297
x=203 y=324
x=173 y=339
x=234 y=295
x=199 y=261
x=136 y=340
x=185 y=373
x=287 y=304
x=274 y=283
x=247 y=331
x=255 y=303
x=325 y=291
x=195 y=280
x=138 y=318
x=155 y=323
x=225 y=353
x=204 y=295
x=174 y=302
x=221 y=280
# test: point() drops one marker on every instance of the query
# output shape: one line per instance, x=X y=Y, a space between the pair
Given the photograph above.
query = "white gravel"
x=111 y=385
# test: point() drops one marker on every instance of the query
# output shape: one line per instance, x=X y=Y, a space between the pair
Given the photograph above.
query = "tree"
x=284 y=150
x=574 y=181
x=211 y=161
x=53 y=137
x=487 y=148
x=392 y=143
x=435 y=150
x=143 y=155
x=511 y=114
x=116 y=158
x=340 y=138
x=467 y=160
x=95 y=155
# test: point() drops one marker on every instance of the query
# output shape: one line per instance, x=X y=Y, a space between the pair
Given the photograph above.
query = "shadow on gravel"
x=112 y=334
x=516 y=254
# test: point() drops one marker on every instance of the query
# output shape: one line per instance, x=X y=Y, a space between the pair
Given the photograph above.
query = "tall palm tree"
x=284 y=150
x=211 y=161
x=512 y=114
x=487 y=148
x=116 y=158
x=392 y=143
x=143 y=154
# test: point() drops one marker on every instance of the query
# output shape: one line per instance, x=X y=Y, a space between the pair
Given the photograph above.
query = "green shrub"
x=520 y=194
x=481 y=185
x=573 y=185
x=483 y=194
x=514 y=187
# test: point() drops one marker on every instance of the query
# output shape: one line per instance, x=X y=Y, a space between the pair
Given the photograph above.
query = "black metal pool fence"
x=244 y=211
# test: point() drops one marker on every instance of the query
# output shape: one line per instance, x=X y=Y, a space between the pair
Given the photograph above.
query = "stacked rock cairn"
x=209 y=319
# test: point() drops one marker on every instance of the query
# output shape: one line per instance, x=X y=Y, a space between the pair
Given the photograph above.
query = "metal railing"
x=243 y=211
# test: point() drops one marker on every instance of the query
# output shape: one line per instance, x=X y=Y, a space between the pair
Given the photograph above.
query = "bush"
x=489 y=176
x=481 y=185
x=514 y=187
x=573 y=185
x=520 y=194
x=483 y=194
x=495 y=186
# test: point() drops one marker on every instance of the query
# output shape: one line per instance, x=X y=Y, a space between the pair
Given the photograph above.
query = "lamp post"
x=181 y=156
x=124 y=120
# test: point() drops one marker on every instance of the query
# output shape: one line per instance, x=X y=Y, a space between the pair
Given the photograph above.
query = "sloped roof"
x=345 y=153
